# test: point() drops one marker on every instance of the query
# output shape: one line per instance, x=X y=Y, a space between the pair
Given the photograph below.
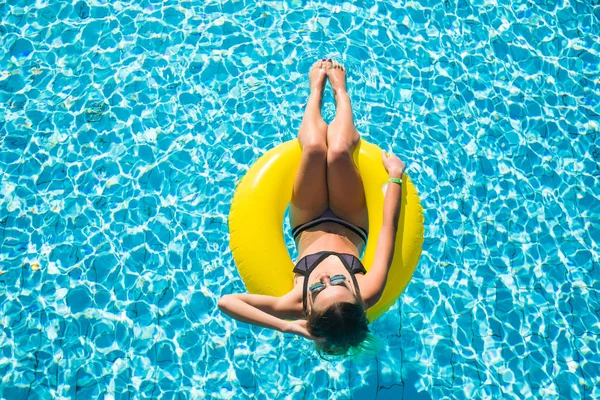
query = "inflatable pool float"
x=258 y=208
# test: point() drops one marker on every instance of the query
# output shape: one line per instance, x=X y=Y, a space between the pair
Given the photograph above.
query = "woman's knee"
x=337 y=153
x=315 y=150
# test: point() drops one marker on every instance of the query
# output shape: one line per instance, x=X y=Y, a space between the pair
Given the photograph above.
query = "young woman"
x=328 y=214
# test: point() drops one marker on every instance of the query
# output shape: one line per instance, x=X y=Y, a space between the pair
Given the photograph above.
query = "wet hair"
x=344 y=326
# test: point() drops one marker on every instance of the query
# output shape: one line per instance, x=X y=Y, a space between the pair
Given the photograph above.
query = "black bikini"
x=329 y=216
x=308 y=263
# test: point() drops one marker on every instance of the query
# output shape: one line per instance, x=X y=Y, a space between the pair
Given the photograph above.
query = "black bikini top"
x=308 y=263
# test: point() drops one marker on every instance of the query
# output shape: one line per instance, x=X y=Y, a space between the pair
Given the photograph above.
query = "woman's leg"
x=345 y=187
x=309 y=198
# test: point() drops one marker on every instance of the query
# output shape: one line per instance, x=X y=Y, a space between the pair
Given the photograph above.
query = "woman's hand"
x=298 y=327
x=393 y=164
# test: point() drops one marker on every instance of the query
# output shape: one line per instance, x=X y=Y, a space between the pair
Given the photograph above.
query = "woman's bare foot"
x=336 y=73
x=316 y=77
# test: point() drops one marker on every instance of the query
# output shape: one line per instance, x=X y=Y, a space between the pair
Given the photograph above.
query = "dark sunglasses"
x=336 y=280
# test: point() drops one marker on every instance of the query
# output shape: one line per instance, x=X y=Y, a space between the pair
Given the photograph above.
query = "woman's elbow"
x=223 y=302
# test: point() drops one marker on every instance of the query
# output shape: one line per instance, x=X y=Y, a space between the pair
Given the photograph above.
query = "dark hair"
x=344 y=326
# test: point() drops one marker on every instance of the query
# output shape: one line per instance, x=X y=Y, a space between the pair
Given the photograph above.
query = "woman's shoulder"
x=368 y=292
x=291 y=303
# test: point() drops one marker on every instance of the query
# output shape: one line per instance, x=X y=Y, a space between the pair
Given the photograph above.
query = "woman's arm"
x=376 y=278
x=234 y=306
x=266 y=311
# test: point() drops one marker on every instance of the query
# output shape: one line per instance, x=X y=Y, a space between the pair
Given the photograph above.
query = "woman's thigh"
x=345 y=187
x=310 y=196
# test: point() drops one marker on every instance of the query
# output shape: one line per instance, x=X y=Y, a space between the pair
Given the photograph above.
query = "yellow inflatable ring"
x=258 y=208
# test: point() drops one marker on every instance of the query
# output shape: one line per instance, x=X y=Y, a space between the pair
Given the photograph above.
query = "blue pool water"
x=125 y=126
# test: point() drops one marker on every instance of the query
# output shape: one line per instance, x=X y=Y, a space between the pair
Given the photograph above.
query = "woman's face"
x=326 y=290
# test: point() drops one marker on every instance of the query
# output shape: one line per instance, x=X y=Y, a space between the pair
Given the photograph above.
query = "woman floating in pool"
x=328 y=211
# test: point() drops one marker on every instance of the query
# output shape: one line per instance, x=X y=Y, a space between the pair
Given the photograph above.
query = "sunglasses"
x=336 y=280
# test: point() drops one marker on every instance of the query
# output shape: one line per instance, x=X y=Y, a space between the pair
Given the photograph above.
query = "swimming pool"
x=124 y=127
